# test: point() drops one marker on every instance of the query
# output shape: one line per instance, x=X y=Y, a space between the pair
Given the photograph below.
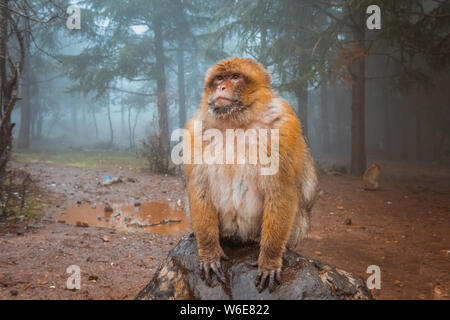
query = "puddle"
x=157 y=217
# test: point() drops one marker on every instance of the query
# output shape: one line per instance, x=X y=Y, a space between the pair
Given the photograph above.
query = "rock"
x=348 y=221
x=108 y=180
x=93 y=277
x=82 y=224
x=302 y=278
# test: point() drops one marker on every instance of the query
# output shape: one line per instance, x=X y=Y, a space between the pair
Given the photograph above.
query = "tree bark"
x=163 y=123
x=324 y=116
x=181 y=83
x=95 y=123
x=181 y=25
x=25 y=114
x=358 y=68
x=5 y=126
x=302 y=104
x=387 y=143
x=111 y=130
x=129 y=128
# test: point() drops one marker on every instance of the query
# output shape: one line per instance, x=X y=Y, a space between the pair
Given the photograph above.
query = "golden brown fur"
x=235 y=201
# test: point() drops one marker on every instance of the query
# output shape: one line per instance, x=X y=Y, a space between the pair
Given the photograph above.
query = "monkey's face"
x=226 y=91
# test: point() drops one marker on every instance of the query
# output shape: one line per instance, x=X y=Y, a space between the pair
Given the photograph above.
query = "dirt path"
x=404 y=228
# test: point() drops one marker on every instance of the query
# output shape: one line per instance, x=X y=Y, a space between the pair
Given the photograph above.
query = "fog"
x=98 y=86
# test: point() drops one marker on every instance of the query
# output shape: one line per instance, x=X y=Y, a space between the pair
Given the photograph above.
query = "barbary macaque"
x=371 y=176
x=238 y=201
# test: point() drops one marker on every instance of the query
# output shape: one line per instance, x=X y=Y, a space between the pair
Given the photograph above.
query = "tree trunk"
x=25 y=113
x=111 y=130
x=180 y=64
x=163 y=123
x=387 y=143
x=181 y=83
x=138 y=111
x=358 y=68
x=129 y=128
x=95 y=124
x=3 y=41
x=302 y=105
x=324 y=117
x=418 y=141
x=5 y=122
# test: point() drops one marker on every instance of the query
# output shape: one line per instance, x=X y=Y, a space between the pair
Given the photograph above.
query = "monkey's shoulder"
x=278 y=113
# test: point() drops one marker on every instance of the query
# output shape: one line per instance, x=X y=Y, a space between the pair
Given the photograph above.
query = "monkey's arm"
x=281 y=201
x=206 y=228
x=280 y=209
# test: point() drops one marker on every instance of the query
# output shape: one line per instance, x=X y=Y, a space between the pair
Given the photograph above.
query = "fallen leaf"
x=26 y=286
x=150 y=258
x=437 y=293
x=105 y=238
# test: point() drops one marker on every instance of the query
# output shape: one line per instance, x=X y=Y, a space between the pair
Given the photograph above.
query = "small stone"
x=82 y=224
x=348 y=221
x=108 y=208
x=93 y=277
x=14 y=293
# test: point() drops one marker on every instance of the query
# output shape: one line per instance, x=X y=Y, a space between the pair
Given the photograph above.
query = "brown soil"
x=404 y=228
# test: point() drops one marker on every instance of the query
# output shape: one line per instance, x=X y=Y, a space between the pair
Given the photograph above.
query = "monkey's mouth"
x=227 y=109
x=225 y=99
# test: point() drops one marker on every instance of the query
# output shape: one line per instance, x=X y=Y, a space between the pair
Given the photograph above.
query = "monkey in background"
x=234 y=201
x=371 y=176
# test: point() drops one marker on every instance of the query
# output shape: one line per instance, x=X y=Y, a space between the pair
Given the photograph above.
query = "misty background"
x=134 y=72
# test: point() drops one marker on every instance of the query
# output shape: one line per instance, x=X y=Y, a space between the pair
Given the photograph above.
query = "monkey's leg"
x=278 y=220
x=206 y=229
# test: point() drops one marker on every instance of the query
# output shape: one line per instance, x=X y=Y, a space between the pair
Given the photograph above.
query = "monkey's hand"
x=208 y=264
x=267 y=277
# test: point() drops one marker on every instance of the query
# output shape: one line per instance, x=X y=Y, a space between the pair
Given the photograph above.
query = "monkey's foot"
x=215 y=267
x=268 y=278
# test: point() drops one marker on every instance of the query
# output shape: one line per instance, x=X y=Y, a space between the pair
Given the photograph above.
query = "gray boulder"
x=302 y=278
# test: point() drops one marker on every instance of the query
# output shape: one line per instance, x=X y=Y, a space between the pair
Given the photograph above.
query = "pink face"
x=225 y=92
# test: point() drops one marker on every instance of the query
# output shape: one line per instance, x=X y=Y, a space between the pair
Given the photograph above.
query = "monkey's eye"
x=219 y=78
x=235 y=76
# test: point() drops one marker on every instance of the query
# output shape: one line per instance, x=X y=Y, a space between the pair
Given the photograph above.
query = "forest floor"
x=404 y=228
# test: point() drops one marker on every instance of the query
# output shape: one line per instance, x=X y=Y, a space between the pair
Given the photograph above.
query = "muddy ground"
x=404 y=228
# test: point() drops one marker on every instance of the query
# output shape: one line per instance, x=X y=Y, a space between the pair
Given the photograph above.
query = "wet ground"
x=155 y=217
x=404 y=228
